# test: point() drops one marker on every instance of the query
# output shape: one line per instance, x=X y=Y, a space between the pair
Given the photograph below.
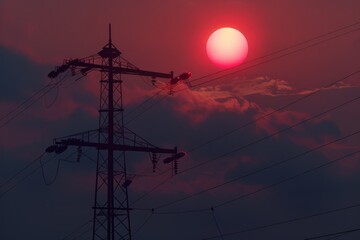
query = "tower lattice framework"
x=111 y=219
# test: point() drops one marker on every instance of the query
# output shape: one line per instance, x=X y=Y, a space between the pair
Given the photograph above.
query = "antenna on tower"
x=110 y=34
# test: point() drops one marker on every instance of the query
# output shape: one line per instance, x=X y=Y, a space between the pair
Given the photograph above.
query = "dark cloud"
x=18 y=74
x=171 y=35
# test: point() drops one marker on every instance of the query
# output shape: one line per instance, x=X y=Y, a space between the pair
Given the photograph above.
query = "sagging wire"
x=143 y=224
x=47 y=182
x=216 y=223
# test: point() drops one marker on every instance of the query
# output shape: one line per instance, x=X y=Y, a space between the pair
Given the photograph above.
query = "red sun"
x=227 y=47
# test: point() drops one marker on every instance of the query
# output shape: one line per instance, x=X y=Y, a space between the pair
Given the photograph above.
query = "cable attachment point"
x=126 y=183
x=79 y=153
x=56 y=148
x=154 y=161
x=153 y=81
x=176 y=167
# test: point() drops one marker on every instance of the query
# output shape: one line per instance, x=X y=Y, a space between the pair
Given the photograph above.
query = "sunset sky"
x=273 y=142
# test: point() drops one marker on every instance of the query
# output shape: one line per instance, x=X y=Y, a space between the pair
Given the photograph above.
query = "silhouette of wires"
x=41 y=92
x=143 y=224
x=291 y=220
x=217 y=223
x=34 y=98
x=212 y=140
x=242 y=68
x=334 y=234
x=22 y=170
x=260 y=170
x=26 y=176
x=8 y=182
x=260 y=139
x=47 y=182
x=75 y=234
x=196 y=86
x=278 y=223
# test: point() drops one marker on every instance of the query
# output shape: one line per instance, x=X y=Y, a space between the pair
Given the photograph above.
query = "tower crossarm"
x=122 y=70
x=116 y=147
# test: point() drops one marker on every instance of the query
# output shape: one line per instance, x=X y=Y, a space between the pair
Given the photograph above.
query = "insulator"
x=73 y=71
x=175 y=167
x=154 y=161
x=180 y=155
x=51 y=149
x=174 y=157
x=62 y=68
x=126 y=183
x=168 y=160
x=185 y=76
x=52 y=74
x=60 y=149
x=79 y=153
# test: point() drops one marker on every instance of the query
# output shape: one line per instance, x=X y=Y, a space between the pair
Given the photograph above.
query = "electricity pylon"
x=111 y=219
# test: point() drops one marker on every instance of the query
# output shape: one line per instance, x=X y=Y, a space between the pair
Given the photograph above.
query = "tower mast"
x=111 y=219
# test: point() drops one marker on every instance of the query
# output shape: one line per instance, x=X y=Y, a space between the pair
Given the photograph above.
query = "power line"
x=151 y=190
x=17 y=111
x=251 y=193
x=143 y=224
x=276 y=110
x=273 y=112
x=318 y=214
x=21 y=171
x=271 y=59
x=24 y=110
x=333 y=234
x=265 y=168
x=46 y=182
x=2 y=194
x=217 y=223
x=267 y=187
x=24 y=102
x=269 y=136
x=338 y=236
x=145 y=110
x=267 y=55
x=77 y=230
x=80 y=236
x=272 y=53
x=143 y=103
x=281 y=50
x=261 y=139
x=290 y=178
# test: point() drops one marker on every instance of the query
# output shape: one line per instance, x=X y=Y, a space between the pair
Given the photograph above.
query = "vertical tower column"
x=111 y=207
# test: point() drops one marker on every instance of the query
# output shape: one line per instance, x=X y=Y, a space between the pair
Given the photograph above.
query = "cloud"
x=278 y=120
x=198 y=105
x=262 y=85
x=215 y=173
x=339 y=85
x=234 y=96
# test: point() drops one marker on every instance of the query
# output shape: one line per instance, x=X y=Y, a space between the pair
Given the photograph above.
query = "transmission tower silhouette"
x=111 y=219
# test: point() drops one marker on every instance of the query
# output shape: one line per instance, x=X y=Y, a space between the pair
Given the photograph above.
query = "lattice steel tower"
x=111 y=220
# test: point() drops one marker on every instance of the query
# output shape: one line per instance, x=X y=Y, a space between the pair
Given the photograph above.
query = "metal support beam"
x=111 y=220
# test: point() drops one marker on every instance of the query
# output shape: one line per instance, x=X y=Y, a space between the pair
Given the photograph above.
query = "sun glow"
x=227 y=47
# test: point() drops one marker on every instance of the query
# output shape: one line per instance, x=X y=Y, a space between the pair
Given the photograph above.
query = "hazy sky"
x=296 y=49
